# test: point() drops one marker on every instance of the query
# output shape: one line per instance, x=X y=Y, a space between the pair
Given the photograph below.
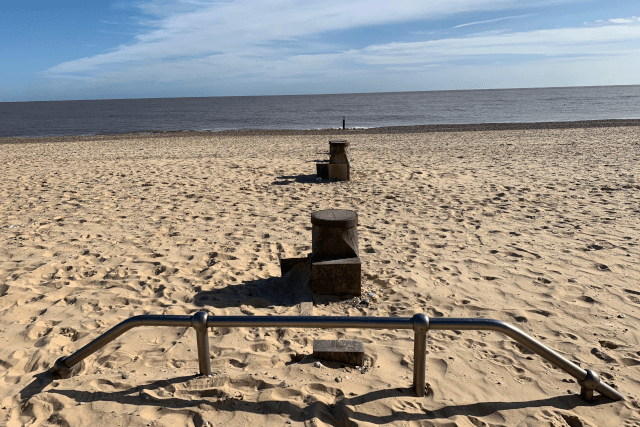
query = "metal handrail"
x=420 y=324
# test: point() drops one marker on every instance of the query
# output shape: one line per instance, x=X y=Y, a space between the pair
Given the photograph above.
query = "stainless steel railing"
x=420 y=324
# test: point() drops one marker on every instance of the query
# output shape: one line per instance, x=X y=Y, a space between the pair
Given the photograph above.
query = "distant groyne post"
x=339 y=166
x=343 y=122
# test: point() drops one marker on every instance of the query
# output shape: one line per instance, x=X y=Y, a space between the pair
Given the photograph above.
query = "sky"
x=68 y=49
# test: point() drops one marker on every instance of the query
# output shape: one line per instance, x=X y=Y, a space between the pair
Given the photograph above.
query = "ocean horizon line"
x=325 y=112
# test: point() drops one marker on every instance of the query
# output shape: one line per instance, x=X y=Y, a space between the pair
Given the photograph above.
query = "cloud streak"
x=557 y=42
x=244 y=27
x=624 y=20
x=241 y=42
x=492 y=20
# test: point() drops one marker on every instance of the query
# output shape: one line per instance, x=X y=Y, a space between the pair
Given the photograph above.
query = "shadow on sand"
x=337 y=413
x=286 y=291
x=303 y=179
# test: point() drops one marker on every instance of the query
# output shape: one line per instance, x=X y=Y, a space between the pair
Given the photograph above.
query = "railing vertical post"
x=199 y=323
x=420 y=328
x=590 y=383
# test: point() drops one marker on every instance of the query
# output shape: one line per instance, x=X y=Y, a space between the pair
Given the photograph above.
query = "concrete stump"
x=335 y=265
x=350 y=352
x=339 y=152
x=334 y=234
x=336 y=268
x=339 y=166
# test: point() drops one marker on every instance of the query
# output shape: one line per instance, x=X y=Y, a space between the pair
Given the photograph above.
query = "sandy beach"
x=537 y=226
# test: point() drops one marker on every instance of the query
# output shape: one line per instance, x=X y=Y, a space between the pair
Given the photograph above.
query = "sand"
x=537 y=227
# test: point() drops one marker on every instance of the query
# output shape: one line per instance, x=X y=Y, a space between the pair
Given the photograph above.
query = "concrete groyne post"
x=334 y=234
x=339 y=166
x=336 y=268
x=339 y=160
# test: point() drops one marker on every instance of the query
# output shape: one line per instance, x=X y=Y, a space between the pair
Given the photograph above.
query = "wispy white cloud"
x=624 y=20
x=493 y=20
x=604 y=40
x=621 y=21
x=246 y=27
x=239 y=42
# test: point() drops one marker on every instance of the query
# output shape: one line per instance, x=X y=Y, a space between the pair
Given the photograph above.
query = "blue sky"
x=56 y=50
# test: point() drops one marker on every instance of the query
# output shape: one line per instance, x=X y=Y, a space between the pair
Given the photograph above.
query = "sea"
x=360 y=110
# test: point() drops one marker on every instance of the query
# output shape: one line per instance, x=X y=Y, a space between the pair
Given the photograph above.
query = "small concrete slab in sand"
x=322 y=170
x=350 y=352
x=287 y=264
x=305 y=308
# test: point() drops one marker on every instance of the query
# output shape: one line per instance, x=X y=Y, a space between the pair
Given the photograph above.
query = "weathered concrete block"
x=350 y=352
x=287 y=264
x=338 y=172
x=339 y=151
x=334 y=234
x=322 y=170
x=341 y=276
